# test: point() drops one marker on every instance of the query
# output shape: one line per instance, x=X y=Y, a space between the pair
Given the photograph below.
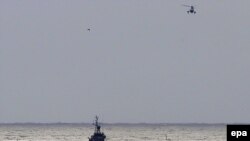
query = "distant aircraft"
x=88 y=29
x=191 y=10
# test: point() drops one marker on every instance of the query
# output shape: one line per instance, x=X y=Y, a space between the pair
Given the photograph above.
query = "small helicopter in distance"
x=191 y=10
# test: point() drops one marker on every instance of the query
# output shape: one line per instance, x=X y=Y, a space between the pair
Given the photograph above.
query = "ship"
x=98 y=135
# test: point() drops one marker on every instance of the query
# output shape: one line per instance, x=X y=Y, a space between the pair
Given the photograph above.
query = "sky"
x=142 y=61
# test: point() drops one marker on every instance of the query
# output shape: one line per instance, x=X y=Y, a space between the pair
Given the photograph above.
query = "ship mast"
x=97 y=126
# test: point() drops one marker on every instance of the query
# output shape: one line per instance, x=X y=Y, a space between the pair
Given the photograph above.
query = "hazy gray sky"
x=143 y=61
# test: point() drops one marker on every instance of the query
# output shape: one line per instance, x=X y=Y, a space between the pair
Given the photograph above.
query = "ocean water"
x=117 y=132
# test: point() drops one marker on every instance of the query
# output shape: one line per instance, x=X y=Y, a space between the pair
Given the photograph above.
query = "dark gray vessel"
x=98 y=135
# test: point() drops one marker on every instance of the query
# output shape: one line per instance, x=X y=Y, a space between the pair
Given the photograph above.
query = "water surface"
x=117 y=132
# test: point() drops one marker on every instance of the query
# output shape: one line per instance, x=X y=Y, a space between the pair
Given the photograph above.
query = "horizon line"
x=122 y=123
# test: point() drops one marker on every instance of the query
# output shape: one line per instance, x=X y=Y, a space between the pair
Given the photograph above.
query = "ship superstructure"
x=98 y=135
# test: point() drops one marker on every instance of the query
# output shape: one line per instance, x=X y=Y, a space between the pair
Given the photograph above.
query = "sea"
x=114 y=132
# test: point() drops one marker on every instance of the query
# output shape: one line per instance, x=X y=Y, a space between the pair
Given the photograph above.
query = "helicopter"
x=191 y=10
